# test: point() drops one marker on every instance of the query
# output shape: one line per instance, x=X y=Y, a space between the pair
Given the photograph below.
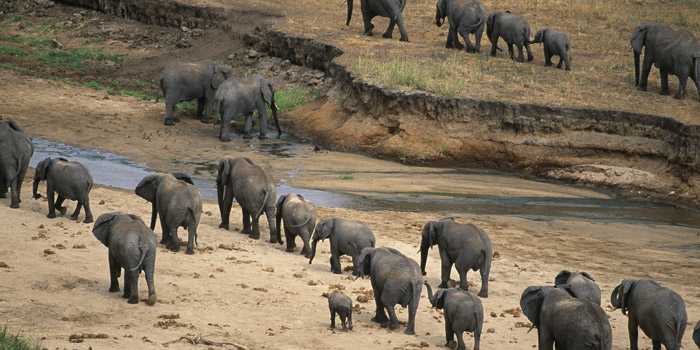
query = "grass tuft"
x=293 y=96
x=15 y=342
x=76 y=58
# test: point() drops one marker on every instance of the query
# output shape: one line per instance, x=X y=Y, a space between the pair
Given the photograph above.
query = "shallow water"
x=113 y=170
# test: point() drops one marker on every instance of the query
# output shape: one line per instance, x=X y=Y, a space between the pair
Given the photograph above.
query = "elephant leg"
x=165 y=230
x=191 y=237
x=477 y=337
x=88 y=211
x=545 y=340
x=170 y=102
x=561 y=62
x=305 y=250
x=270 y=212
x=412 y=311
x=174 y=244
x=646 y=69
x=402 y=28
x=20 y=180
x=344 y=321
x=460 y=341
x=510 y=51
x=682 y=83
x=332 y=319
x=127 y=285
x=389 y=30
x=114 y=272
x=697 y=87
x=484 y=292
x=335 y=263
x=59 y=204
x=14 y=194
x=494 y=45
x=133 y=277
x=291 y=244
x=393 y=320
x=262 y=114
x=248 y=128
x=379 y=315
x=350 y=321
x=656 y=345
x=449 y=335
x=530 y=57
x=664 y=82
x=149 y=271
x=76 y=212
x=3 y=186
x=201 y=103
x=227 y=204
x=450 y=44
x=567 y=61
x=255 y=234
x=547 y=57
x=355 y=266
x=445 y=274
x=468 y=47
x=50 y=195
x=463 y=281
x=521 y=57
x=367 y=22
x=632 y=330
x=246 y=222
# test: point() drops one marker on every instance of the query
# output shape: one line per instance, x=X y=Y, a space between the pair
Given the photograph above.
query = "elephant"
x=16 y=150
x=463 y=245
x=657 y=310
x=242 y=98
x=392 y=9
x=395 y=279
x=581 y=284
x=465 y=17
x=188 y=81
x=341 y=304
x=555 y=44
x=696 y=334
x=513 y=29
x=463 y=313
x=565 y=322
x=132 y=247
x=254 y=191
x=70 y=180
x=299 y=220
x=347 y=238
x=674 y=52
x=178 y=204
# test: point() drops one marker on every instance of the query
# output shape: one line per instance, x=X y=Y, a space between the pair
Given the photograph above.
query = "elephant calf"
x=178 y=204
x=132 y=247
x=463 y=313
x=70 y=180
x=341 y=304
x=16 y=150
x=555 y=44
x=299 y=220
x=514 y=30
x=243 y=98
x=347 y=238
x=658 y=311
x=581 y=284
x=565 y=322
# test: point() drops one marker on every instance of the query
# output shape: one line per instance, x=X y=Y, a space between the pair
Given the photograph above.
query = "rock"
x=269 y=269
x=56 y=44
x=491 y=330
x=312 y=283
x=299 y=275
x=78 y=246
x=521 y=324
x=4 y=265
x=59 y=246
x=493 y=314
x=102 y=202
x=185 y=29
x=253 y=54
x=49 y=252
x=362 y=299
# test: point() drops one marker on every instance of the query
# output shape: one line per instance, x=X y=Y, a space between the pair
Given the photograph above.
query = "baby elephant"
x=347 y=238
x=658 y=311
x=555 y=44
x=581 y=285
x=341 y=304
x=132 y=247
x=299 y=220
x=463 y=313
x=70 y=180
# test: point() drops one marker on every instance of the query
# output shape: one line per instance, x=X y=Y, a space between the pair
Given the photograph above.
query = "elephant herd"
x=567 y=314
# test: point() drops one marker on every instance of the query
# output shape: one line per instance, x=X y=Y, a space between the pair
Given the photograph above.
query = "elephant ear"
x=218 y=76
x=539 y=36
x=326 y=230
x=13 y=125
x=696 y=334
x=183 y=177
x=365 y=261
x=588 y=276
x=620 y=295
x=267 y=91
x=638 y=37
x=696 y=65
x=279 y=205
x=42 y=169
x=147 y=188
x=562 y=277
x=531 y=304
x=103 y=227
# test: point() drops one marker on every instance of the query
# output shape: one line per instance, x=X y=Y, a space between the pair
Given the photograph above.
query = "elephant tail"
x=473 y=27
x=308 y=218
x=144 y=252
x=347 y=22
x=264 y=203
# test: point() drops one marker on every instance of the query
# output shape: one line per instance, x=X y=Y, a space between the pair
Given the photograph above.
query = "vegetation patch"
x=294 y=96
x=15 y=342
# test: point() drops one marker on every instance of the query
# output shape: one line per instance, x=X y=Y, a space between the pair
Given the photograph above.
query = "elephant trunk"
x=424 y=246
x=35 y=187
x=313 y=250
x=431 y=296
x=347 y=23
x=274 y=108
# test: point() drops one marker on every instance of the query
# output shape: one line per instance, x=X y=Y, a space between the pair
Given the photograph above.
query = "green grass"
x=7 y=50
x=76 y=58
x=125 y=89
x=346 y=177
x=293 y=97
x=15 y=342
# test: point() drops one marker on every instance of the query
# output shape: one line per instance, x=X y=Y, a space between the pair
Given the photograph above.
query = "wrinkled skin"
x=555 y=44
x=235 y=98
x=341 y=304
x=178 y=204
x=463 y=313
x=347 y=238
x=67 y=179
x=675 y=52
x=132 y=247
x=580 y=284
x=696 y=334
x=396 y=279
x=392 y=9
x=254 y=191
x=658 y=311
x=299 y=218
x=565 y=322
x=16 y=150
x=465 y=17
x=189 y=81
x=463 y=245
x=513 y=29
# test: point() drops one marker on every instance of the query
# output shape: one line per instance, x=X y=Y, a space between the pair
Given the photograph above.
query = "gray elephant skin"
x=340 y=304
x=396 y=279
x=465 y=17
x=696 y=334
x=16 y=151
x=132 y=247
x=657 y=310
x=555 y=44
x=463 y=313
x=675 y=52
x=463 y=245
x=69 y=180
x=189 y=81
x=513 y=29
x=347 y=237
x=565 y=322
x=235 y=98
x=254 y=191
x=178 y=204
x=299 y=217
x=392 y=9
x=581 y=285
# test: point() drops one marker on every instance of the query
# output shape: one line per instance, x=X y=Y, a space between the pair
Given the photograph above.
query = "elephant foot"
x=483 y=294
x=205 y=120
x=394 y=326
x=664 y=92
x=380 y=319
x=404 y=39
x=227 y=138
x=114 y=289
x=443 y=285
x=387 y=35
x=451 y=344
x=262 y=137
x=224 y=226
x=169 y=121
x=189 y=251
x=530 y=58
x=254 y=236
x=368 y=33
x=641 y=88
x=15 y=205
x=62 y=210
x=288 y=250
x=678 y=97
x=568 y=68
x=74 y=217
x=50 y=215
x=409 y=331
x=126 y=294
x=88 y=220
x=151 y=299
x=133 y=300
x=247 y=136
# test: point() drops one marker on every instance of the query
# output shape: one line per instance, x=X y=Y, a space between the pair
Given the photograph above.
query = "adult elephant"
x=189 y=81
x=392 y=9
x=696 y=334
x=299 y=217
x=254 y=191
x=565 y=322
x=657 y=310
x=347 y=238
x=513 y=29
x=16 y=150
x=465 y=17
x=70 y=180
x=581 y=285
x=395 y=279
x=463 y=245
x=178 y=204
x=236 y=98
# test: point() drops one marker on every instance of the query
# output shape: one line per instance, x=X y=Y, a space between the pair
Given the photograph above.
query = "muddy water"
x=116 y=171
